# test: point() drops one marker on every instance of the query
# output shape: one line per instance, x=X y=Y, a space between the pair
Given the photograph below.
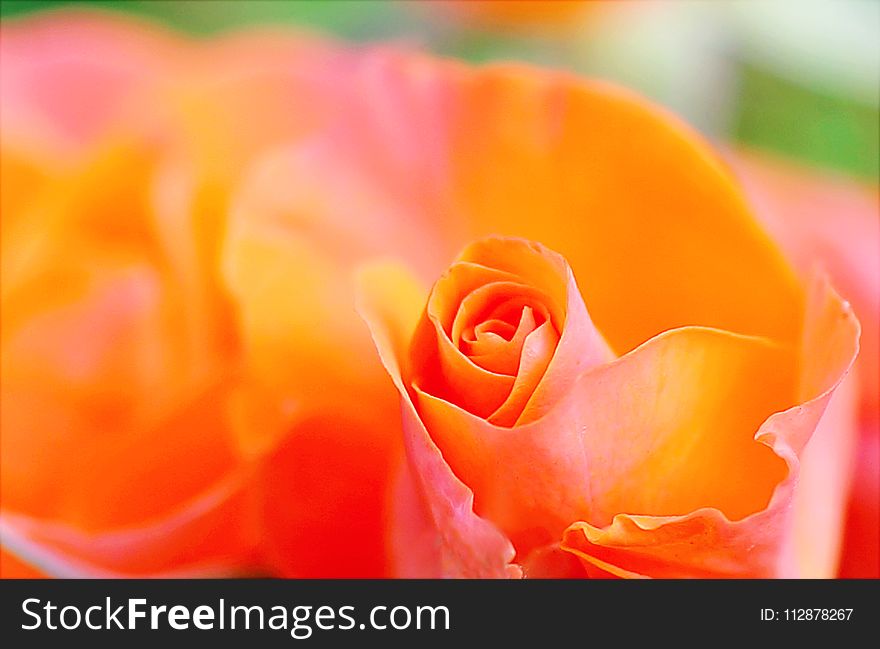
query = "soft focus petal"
x=860 y=557
x=95 y=356
x=309 y=366
x=12 y=567
x=183 y=542
x=109 y=337
x=116 y=318
x=69 y=78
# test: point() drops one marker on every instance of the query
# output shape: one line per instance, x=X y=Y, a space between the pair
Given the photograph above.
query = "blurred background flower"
x=797 y=77
x=789 y=89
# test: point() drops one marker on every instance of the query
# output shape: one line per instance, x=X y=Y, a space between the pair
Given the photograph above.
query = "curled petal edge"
x=705 y=543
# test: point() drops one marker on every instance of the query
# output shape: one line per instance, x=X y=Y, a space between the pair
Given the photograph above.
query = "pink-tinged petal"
x=706 y=542
x=184 y=543
x=69 y=77
x=824 y=482
x=831 y=222
x=464 y=545
x=430 y=136
x=861 y=558
x=13 y=566
x=834 y=223
x=414 y=552
x=233 y=99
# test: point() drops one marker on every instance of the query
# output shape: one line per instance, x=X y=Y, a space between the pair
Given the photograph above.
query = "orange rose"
x=668 y=461
x=169 y=399
x=222 y=401
x=818 y=219
x=690 y=440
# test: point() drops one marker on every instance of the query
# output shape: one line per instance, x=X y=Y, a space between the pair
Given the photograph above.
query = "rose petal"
x=69 y=77
x=707 y=543
x=322 y=494
x=827 y=220
x=582 y=162
x=95 y=339
x=625 y=438
x=498 y=352
x=12 y=567
x=308 y=367
x=860 y=557
x=465 y=545
x=535 y=357
x=181 y=544
x=824 y=481
x=822 y=219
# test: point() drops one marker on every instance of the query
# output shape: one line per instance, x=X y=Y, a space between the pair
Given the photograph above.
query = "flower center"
x=496 y=331
x=493 y=322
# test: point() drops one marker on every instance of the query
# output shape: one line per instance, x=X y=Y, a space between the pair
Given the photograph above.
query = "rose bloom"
x=171 y=374
x=626 y=383
x=529 y=442
x=820 y=220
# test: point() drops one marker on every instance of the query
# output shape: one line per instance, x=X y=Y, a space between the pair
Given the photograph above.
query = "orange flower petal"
x=13 y=567
x=706 y=542
x=95 y=339
x=322 y=494
x=536 y=355
x=308 y=366
x=666 y=429
x=182 y=543
x=438 y=505
x=827 y=221
x=595 y=157
x=582 y=162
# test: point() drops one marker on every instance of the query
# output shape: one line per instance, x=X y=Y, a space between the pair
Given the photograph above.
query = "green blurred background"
x=797 y=77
